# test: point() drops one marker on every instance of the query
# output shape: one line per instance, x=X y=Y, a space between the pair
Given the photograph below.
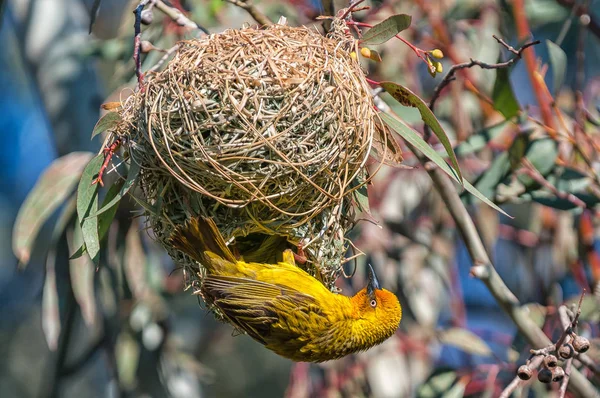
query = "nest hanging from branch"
x=266 y=131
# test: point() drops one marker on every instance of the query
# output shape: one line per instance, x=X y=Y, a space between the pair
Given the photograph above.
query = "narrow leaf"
x=414 y=139
x=111 y=205
x=386 y=29
x=106 y=122
x=49 y=192
x=465 y=340
x=82 y=280
x=87 y=203
x=517 y=150
x=503 y=95
x=558 y=62
x=50 y=310
x=480 y=139
x=408 y=98
x=114 y=197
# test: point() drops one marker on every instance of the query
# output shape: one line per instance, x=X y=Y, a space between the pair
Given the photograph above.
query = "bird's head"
x=378 y=308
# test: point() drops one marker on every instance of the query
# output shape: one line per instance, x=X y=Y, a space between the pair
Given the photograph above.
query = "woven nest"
x=266 y=131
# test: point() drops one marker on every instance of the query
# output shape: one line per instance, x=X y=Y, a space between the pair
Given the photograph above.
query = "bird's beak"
x=373 y=283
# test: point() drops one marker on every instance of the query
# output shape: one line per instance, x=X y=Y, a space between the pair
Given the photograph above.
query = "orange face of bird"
x=379 y=307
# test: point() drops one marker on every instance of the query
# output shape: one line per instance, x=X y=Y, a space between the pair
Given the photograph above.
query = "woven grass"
x=266 y=131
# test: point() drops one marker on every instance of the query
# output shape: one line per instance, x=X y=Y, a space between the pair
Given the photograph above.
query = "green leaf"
x=115 y=197
x=465 y=340
x=78 y=253
x=517 y=150
x=111 y=205
x=488 y=181
x=503 y=96
x=558 y=62
x=386 y=29
x=542 y=154
x=87 y=203
x=408 y=98
x=50 y=191
x=480 y=139
x=438 y=383
x=362 y=198
x=415 y=140
x=106 y=122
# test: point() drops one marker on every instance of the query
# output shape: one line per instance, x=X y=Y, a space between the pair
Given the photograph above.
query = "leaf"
x=104 y=217
x=114 y=197
x=558 y=62
x=517 y=150
x=362 y=198
x=106 y=122
x=375 y=56
x=480 y=139
x=50 y=310
x=542 y=154
x=408 y=98
x=488 y=181
x=438 y=383
x=414 y=139
x=135 y=262
x=82 y=272
x=387 y=29
x=49 y=192
x=94 y=13
x=87 y=203
x=536 y=312
x=503 y=95
x=465 y=340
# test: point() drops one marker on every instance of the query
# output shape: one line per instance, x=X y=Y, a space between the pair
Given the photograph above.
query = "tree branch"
x=258 y=16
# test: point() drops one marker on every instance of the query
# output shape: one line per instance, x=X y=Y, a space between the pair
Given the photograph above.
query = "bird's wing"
x=262 y=309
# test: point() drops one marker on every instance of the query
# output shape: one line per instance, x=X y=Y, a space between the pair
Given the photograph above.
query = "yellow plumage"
x=283 y=307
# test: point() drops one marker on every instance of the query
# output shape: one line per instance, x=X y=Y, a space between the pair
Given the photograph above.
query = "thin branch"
x=533 y=363
x=450 y=76
x=582 y=10
x=258 y=16
x=178 y=17
x=164 y=58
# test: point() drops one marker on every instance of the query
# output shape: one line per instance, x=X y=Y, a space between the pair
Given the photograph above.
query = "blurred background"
x=129 y=329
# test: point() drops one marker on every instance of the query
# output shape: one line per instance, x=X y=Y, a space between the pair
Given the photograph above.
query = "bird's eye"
x=373 y=303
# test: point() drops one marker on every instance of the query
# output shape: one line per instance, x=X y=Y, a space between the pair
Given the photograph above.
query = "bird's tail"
x=199 y=236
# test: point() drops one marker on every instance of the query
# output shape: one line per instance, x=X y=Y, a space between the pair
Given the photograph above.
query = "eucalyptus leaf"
x=503 y=96
x=386 y=29
x=408 y=98
x=50 y=191
x=115 y=197
x=106 y=122
x=558 y=62
x=466 y=340
x=87 y=203
x=415 y=140
x=480 y=139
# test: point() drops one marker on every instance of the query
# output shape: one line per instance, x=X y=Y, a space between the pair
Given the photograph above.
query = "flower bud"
x=550 y=361
x=524 y=372
x=545 y=375
x=353 y=55
x=581 y=344
x=365 y=52
x=566 y=351
x=437 y=53
x=558 y=374
x=146 y=46
x=438 y=67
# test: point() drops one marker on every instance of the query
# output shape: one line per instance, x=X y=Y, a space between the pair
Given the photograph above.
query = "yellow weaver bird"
x=283 y=307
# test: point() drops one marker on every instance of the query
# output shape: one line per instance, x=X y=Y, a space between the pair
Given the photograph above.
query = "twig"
x=450 y=76
x=137 y=42
x=258 y=16
x=178 y=17
x=593 y=25
x=164 y=58
x=565 y=381
x=533 y=363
